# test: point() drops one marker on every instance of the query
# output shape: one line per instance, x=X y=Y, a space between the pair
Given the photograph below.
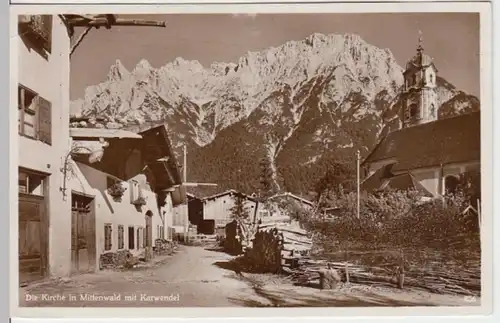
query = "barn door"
x=33 y=237
x=83 y=253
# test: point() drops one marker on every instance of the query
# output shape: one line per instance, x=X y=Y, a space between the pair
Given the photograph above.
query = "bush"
x=395 y=219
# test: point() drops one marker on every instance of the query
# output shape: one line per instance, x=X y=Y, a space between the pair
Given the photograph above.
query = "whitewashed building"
x=124 y=198
x=50 y=243
x=42 y=99
x=427 y=154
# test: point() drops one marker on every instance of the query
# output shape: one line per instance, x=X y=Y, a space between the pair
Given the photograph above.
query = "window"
x=35 y=115
x=107 y=237
x=138 y=244
x=413 y=111
x=135 y=191
x=121 y=242
x=30 y=183
x=131 y=239
x=162 y=233
x=432 y=111
x=38 y=30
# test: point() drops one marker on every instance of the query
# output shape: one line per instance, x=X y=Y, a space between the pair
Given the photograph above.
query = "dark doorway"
x=131 y=239
x=148 y=237
x=206 y=227
x=451 y=184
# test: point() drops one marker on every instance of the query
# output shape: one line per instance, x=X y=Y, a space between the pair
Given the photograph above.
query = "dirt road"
x=193 y=277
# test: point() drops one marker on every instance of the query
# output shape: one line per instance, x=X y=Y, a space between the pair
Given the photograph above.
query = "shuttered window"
x=121 y=242
x=107 y=237
x=35 y=115
x=44 y=121
x=131 y=238
x=138 y=246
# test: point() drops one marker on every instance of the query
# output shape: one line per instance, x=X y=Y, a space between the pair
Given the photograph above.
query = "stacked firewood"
x=164 y=247
x=307 y=273
x=276 y=246
x=114 y=260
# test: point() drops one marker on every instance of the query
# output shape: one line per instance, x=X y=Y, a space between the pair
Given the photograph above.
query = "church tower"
x=419 y=98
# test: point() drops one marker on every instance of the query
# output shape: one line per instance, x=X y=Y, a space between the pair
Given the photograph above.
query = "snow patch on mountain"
x=306 y=99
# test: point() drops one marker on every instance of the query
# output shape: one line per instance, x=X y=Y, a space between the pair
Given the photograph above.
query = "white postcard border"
x=486 y=156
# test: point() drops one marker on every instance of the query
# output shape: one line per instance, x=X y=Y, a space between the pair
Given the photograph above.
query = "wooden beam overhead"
x=108 y=20
x=102 y=20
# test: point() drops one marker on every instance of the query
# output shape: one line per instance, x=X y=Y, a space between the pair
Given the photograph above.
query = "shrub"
x=396 y=219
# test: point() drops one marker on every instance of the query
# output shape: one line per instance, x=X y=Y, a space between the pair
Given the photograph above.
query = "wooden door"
x=83 y=253
x=148 y=237
x=33 y=238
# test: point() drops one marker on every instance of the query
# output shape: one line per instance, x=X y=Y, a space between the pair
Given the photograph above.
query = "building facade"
x=48 y=208
x=124 y=199
x=217 y=210
x=428 y=154
x=43 y=107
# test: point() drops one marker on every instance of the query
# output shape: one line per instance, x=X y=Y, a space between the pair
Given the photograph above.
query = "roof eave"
x=102 y=133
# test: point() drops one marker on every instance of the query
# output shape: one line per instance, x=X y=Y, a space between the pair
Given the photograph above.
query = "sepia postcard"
x=251 y=156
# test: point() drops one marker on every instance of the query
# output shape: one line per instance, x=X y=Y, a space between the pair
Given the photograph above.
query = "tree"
x=247 y=226
x=239 y=210
x=266 y=178
x=469 y=185
x=338 y=179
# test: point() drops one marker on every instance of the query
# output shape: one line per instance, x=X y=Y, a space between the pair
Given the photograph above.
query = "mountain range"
x=303 y=105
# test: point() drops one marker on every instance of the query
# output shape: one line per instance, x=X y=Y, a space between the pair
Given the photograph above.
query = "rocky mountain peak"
x=117 y=72
x=322 y=95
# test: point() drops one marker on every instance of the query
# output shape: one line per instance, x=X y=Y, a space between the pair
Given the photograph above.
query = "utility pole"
x=358 y=184
x=184 y=168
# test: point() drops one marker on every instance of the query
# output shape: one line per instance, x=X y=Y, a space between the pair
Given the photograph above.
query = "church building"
x=425 y=154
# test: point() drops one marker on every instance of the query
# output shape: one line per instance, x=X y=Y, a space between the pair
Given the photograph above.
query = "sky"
x=452 y=39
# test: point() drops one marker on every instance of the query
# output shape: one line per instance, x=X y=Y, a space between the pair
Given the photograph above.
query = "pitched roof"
x=157 y=148
x=215 y=196
x=138 y=128
x=382 y=180
x=404 y=182
x=451 y=140
x=102 y=133
x=303 y=200
x=374 y=182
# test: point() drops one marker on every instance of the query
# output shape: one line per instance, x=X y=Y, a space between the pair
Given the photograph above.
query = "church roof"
x=451 y=140
x=383 y=179
x=403 y=182
x=420 y=60
x=374 y=182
